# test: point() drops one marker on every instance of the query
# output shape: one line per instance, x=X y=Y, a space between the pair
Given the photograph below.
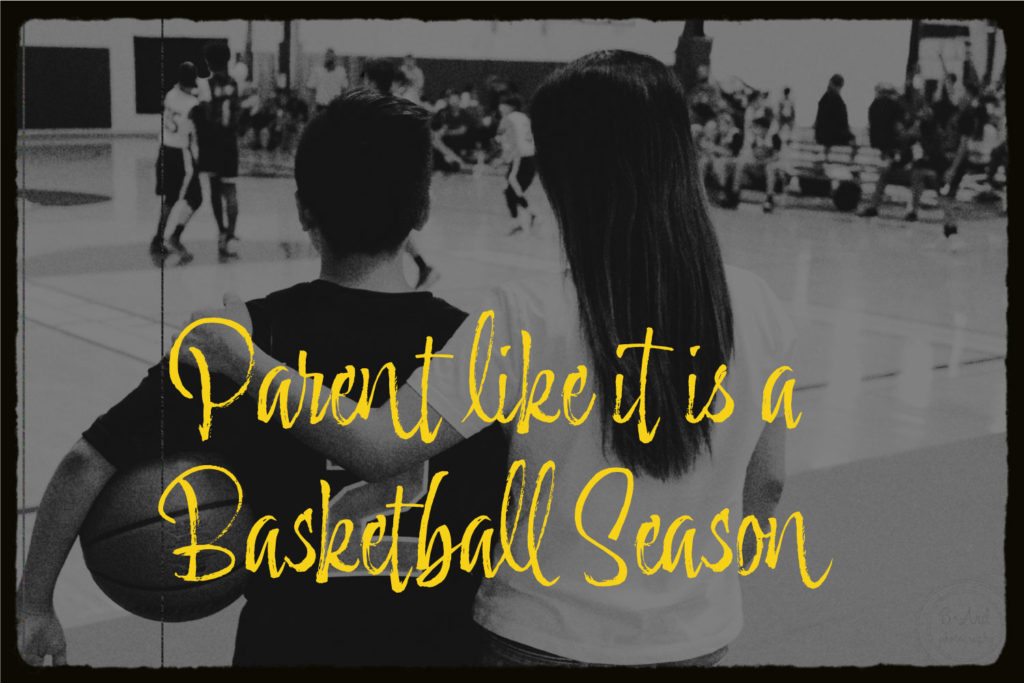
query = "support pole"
x=692 y=51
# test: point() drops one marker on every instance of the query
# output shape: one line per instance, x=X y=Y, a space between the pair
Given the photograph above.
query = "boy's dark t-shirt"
x=350 y=620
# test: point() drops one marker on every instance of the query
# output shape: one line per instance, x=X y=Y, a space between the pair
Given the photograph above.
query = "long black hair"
x=617 y=162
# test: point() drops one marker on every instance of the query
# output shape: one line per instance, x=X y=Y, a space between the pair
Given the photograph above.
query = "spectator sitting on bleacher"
x=886 y=132
x=454 y=126
x=277 y=122
x=832 y=124
x=885 y=121
x=998 y=157
x=718 y=142
x=976 y=137
x=760 y=155
x=922 y=162
x=705 y=99
x=786 y=115
x=479 y=127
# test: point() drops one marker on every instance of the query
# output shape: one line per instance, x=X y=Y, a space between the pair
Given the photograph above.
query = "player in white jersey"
x=177 y=177
x=516 y=138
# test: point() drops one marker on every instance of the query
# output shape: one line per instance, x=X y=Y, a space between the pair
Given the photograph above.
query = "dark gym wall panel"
x=64 y=87
x=150 y=53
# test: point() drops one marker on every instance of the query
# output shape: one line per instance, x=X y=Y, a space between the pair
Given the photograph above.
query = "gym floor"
x=899 y=463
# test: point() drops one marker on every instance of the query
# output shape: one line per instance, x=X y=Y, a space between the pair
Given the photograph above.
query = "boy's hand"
x=40 y=635
x=225 y=350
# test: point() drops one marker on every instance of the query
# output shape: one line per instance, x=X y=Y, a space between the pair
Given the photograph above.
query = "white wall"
x=542 y=41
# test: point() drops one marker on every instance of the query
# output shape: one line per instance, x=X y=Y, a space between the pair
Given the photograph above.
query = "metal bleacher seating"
x=843 y=173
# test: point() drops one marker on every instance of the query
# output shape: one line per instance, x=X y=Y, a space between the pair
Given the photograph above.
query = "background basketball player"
x=177 y=179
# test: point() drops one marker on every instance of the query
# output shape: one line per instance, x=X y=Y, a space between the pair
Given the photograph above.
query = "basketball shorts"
x=218 y=155
x=177 y=180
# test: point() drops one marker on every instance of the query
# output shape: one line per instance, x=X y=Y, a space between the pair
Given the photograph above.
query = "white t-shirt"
x=414 y=75
x=517 y=135
x=649 y=618
x=178 y=126
x=328 y=84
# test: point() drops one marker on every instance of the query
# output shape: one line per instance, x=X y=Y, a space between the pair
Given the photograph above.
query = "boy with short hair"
x=363 y=173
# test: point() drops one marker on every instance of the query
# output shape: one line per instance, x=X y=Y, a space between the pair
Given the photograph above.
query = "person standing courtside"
x=218 y=143
x=177 y=179
x=832 y=124
x=327 y=81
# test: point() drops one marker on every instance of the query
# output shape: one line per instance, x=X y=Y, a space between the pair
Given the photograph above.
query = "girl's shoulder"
x=760 y=320
x=542 y=305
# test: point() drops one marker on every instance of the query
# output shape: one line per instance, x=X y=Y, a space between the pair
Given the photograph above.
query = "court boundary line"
x=93 y=342
x=53 y=288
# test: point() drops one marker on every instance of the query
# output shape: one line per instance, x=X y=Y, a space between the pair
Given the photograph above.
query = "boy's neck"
x=378 y=273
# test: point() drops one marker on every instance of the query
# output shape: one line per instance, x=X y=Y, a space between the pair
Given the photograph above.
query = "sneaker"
x=769 y=205
x=158 y=248
x=223 y=253
x=949 y=229
x=176 y=246
x=184 y=255
x=868 y=212
x=910 y=217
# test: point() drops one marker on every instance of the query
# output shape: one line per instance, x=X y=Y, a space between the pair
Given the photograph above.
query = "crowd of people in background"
x=929 y=137
x=473 y=128
x=932 y=136
x=739 y=133
x=466 y=119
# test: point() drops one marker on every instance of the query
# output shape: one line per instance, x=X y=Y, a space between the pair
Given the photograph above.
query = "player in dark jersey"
x=218 y=143
x=363 y=173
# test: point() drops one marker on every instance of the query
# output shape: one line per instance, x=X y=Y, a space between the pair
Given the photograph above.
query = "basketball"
x=129 y=547
x=847 y=195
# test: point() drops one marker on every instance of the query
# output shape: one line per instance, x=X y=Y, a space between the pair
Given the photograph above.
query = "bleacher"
x=844 y=173
x=848 y=173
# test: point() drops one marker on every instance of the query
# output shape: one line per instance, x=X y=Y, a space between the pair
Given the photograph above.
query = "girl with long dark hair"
x=616 y=160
